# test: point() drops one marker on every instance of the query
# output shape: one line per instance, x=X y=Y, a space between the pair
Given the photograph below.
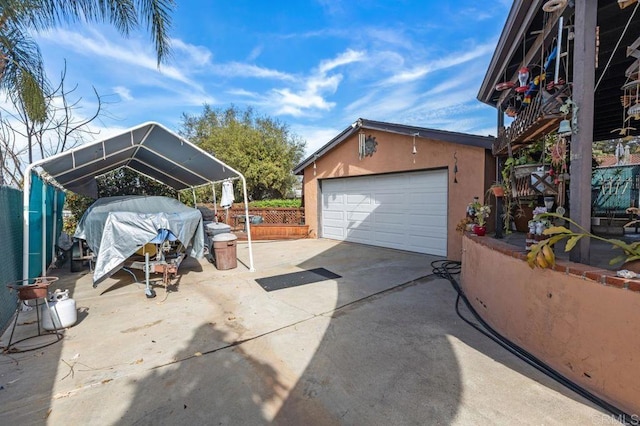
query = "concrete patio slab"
x=381 y=345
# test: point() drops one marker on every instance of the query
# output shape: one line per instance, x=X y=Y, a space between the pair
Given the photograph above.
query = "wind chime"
x=414 y=151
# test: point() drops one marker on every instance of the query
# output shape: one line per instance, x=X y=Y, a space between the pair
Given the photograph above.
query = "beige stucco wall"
x=583 y=329
x=394 y=154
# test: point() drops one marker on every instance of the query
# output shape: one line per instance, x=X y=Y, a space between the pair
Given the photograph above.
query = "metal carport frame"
x=150 y=149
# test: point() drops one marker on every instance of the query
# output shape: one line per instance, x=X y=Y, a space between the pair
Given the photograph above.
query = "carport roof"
x=421 y=132
x=150 y=149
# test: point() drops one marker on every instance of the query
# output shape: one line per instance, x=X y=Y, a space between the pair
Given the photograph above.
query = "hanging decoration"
x=455 y=167
x=523 y=79
x=361 y=140
x=554 y=5
x=505 y=85
x=366 y=145
x=634 y=110
x=414 y=151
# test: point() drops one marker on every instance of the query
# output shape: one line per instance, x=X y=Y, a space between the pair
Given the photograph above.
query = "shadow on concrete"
x=385 y=357
x=199 y=386
x=26 y=397
x=388 y=358
x=381 y=360
x=18 y=381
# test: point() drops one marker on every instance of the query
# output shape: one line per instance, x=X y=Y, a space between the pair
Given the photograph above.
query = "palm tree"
x=21 y=68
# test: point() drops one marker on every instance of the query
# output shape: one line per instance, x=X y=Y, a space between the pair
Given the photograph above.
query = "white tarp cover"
x=116 y=227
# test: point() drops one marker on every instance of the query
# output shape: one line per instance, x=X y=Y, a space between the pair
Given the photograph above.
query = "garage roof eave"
x=150 y=149
x=421 y=132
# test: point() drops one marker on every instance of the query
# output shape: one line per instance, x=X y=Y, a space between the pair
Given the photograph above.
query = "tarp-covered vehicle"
x=161 y=230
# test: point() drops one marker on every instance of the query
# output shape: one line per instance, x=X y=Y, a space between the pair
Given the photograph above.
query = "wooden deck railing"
x=540 y=117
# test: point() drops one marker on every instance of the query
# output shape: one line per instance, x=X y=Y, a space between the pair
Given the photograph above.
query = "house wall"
x=579 y=320
x=394 y=154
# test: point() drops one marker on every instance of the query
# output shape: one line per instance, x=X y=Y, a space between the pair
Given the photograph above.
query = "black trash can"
x=225 y=253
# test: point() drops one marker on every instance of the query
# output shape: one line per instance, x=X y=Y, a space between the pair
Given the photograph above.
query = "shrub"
x=265 y=204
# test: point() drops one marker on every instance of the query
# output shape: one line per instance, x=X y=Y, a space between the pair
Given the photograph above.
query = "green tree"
x=121 y=181
x=124 y=181
x=21 y=67
x=263 y=149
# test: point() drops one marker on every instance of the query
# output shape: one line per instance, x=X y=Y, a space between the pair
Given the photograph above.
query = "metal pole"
x=215 y=202
x=559 y=50
x=55 y=225
x=246 y=218
x=25 y=224
x=43 y=213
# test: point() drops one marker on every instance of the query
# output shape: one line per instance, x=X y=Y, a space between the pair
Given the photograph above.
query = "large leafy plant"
x=543 y=256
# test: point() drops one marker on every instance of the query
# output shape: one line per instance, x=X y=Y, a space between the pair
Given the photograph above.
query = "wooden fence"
x=273 y=215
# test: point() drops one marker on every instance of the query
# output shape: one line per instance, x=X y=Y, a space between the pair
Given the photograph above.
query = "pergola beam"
x=584 y=64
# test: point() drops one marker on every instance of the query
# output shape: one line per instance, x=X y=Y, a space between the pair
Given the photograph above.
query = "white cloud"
x=128 y=53
x=453 y=59
x=309 y=96
x=189 y=53
x=390 y=37
x=384 y=106
x=347 y=57
x=243 y=93
x=295 y=103
x=315 y=136
x=332 y=7
x=255 y=53
x=238 y=69
x=123 y=92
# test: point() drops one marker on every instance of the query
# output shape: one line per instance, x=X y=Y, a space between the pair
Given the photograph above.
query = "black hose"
x=446 y=269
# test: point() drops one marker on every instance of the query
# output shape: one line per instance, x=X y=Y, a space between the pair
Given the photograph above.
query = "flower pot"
x=480 y=231
x=498 y=191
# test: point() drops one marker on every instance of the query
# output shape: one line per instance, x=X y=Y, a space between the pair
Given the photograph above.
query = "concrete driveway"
x=381 y=345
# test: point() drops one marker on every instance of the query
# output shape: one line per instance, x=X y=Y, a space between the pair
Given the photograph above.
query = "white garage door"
x=406 y=211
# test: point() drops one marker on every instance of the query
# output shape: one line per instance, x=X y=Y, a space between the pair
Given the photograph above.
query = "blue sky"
x=315 y=65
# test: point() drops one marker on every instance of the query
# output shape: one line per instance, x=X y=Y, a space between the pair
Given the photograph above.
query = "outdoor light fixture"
x=634 y=111
x=548 y=202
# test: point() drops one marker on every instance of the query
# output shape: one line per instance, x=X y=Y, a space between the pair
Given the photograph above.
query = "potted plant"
x=498 y=190
x=482 y=213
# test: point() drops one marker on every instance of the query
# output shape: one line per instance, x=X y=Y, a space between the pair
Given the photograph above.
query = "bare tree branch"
x=63 y=129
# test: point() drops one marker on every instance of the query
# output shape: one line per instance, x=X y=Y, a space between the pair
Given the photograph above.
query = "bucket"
x=63 y=310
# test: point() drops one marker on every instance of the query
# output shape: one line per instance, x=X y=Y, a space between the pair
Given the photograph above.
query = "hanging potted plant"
x=497 y=189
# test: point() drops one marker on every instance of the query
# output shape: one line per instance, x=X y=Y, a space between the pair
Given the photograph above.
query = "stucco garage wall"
x=394 y=154
x=582 y=328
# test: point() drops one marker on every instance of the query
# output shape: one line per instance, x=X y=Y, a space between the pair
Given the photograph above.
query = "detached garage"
x=395 y=186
